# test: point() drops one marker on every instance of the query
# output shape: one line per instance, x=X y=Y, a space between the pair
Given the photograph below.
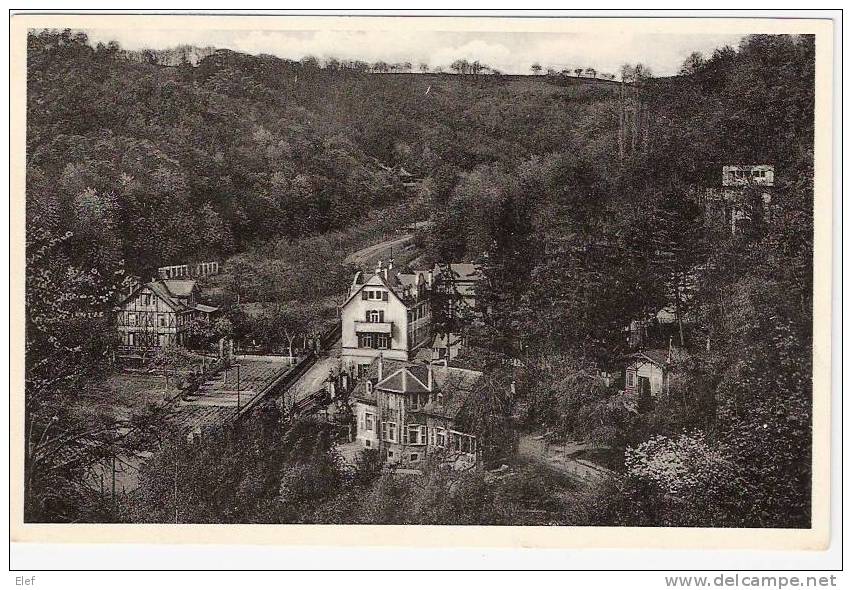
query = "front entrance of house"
x=646 y=402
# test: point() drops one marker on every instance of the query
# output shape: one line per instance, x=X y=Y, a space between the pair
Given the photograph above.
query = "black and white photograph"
x=388 y=272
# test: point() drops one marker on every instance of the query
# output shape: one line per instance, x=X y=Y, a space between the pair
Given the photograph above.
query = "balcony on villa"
x=373 y=327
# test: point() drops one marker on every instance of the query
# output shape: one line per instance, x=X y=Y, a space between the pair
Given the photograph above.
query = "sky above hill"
x=510 y=52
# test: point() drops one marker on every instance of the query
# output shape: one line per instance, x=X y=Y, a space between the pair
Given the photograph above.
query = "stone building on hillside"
x=408 y=412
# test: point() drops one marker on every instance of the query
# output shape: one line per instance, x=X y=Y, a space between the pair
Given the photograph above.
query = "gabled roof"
x=160 y=291
x=180 y=287
x=376 y=280
x=371 y=374
x=460 y=271
x=412 y=379
x=452 y=383
x=655 y=356
x=407 y=280
x=163 y=289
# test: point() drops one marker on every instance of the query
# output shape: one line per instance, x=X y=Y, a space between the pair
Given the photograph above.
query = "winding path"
x=365 y=256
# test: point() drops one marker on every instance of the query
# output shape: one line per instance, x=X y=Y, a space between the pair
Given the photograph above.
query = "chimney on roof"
x=390 y=264
x=429 y=377
x=379 y=266
x=381 y=366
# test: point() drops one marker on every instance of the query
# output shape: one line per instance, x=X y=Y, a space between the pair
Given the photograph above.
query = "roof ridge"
x=416 y=378
x=166 y=287
x=383 y=379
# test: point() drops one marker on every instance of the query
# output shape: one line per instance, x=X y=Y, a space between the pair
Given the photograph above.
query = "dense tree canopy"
x=272 y=163
x=188 y=162
x=573 y=251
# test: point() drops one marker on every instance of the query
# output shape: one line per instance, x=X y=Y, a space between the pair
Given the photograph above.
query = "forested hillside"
x=572 y=254
x=132 y=165
x=160 y=165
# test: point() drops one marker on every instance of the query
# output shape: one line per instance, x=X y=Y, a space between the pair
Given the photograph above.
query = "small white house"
x=647 y=372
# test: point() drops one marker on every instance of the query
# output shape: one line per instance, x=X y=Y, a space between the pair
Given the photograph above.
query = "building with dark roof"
x=158 y=314
x=408 y=411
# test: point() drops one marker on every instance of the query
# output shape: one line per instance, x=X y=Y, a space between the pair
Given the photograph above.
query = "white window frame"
x=440 y=437
x=389 y=431
x=413 y=429
x=369 y=421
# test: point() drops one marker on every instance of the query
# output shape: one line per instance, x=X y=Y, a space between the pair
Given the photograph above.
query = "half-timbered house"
x=158 y=314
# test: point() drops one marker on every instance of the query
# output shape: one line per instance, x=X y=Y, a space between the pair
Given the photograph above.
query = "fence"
x=283 y=383
x=280 y=385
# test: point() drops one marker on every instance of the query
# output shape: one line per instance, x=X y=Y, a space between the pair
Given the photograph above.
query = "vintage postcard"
x=539 y=282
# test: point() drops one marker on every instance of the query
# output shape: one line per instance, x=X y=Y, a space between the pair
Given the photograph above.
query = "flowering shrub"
x=679 y=466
